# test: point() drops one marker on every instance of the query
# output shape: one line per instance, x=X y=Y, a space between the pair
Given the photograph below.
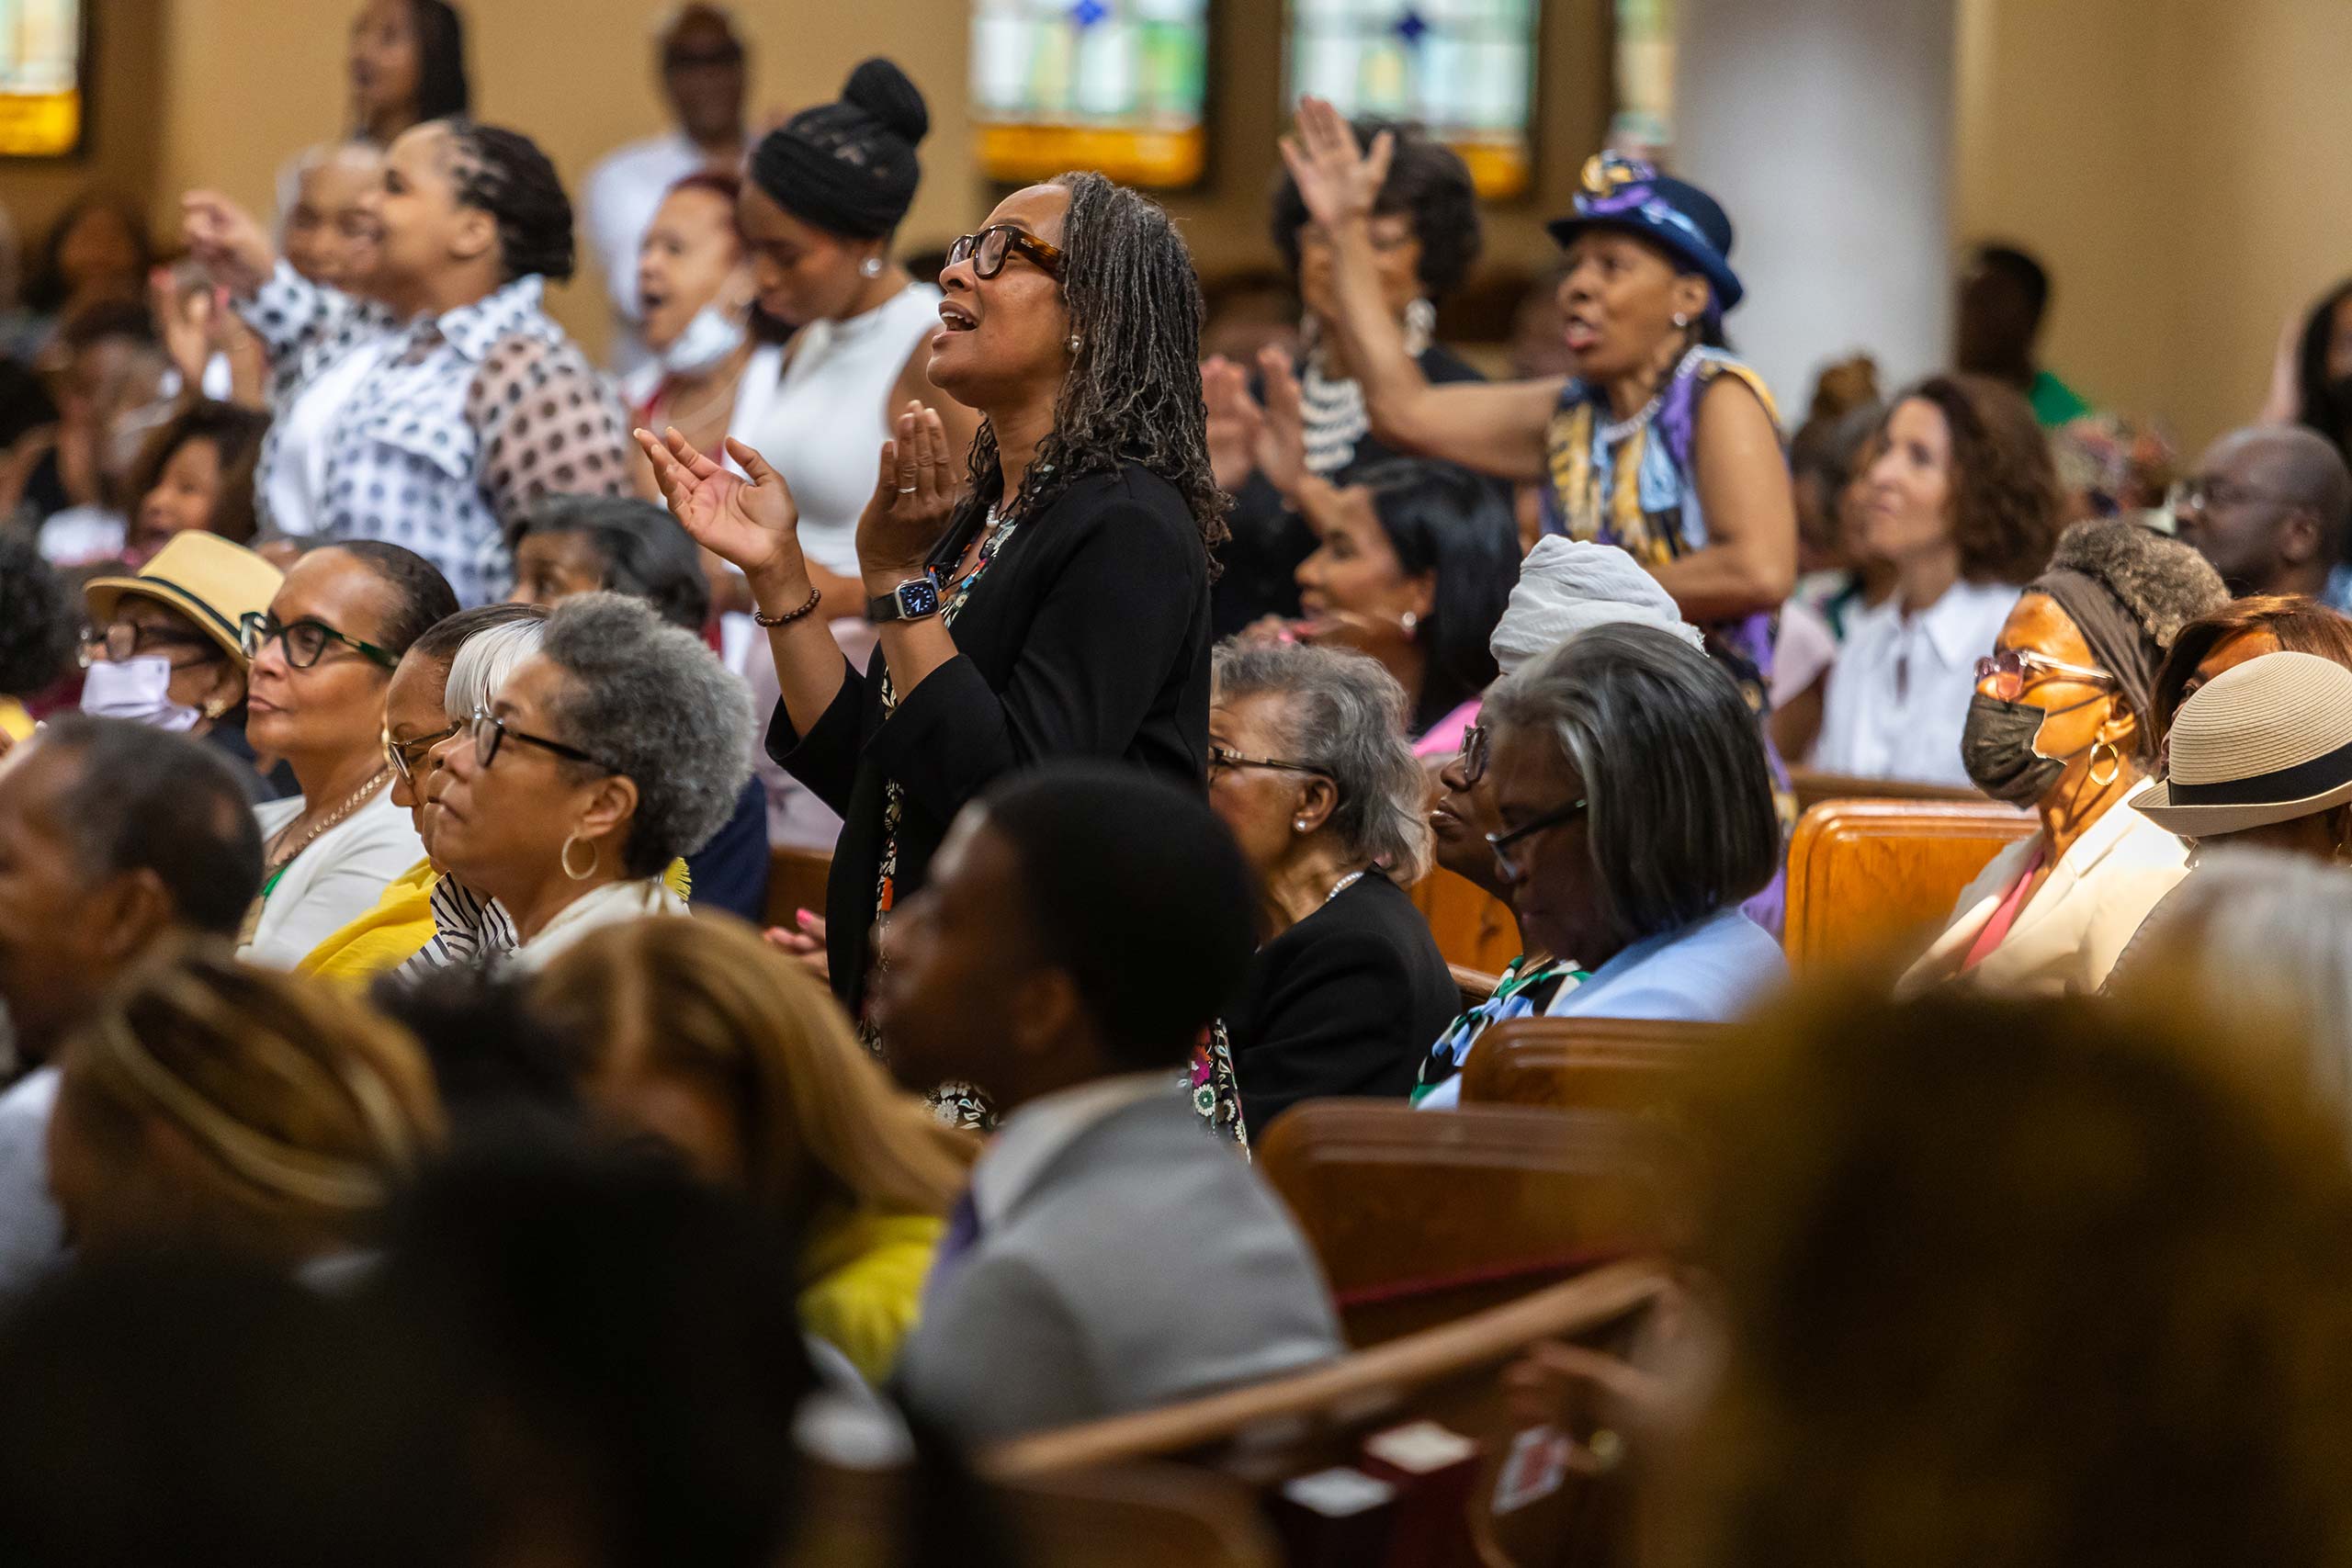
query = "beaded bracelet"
x=789 y=616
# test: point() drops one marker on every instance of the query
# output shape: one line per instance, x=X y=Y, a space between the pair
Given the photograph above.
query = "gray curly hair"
x=650 y=702
x=1344 y=714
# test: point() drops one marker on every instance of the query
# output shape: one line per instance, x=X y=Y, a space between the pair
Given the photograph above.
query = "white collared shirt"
x=1035 y=1135
x=1898 y=694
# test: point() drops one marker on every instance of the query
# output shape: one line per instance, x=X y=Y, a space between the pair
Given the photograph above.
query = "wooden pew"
x=1475 y=929
x=796 y=881
x=1419 y=1217
x=1270 y=1435
x=1876 y=878
x=1813 y=788
x=1626 y=1065
x=1127 y=1515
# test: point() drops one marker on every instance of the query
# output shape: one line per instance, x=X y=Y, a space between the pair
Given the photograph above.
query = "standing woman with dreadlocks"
x=1058 y=606
x=457 y=400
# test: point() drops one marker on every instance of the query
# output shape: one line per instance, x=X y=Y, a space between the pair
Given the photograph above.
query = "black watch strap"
x=913 y=599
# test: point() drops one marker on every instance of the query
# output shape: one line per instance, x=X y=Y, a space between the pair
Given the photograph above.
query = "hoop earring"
x=2114 y=764
x=871 y=266
x=565 y=859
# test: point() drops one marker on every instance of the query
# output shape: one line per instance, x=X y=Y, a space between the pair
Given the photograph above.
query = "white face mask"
x=710 y=337
x=137 y=690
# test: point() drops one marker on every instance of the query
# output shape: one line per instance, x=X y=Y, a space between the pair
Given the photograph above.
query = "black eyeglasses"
x=488 y=732
x=1477 y=745
x=988 y=249
x=407 y=756
x=1225 y=757
x=305 y=640
x=122 y=641
x=1501 y=842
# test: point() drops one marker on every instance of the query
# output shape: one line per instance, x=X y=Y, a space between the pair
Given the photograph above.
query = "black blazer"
x=1087 y=637
x=1347 y=1001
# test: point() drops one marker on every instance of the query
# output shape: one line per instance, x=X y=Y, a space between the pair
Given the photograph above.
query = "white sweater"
x=338 y=877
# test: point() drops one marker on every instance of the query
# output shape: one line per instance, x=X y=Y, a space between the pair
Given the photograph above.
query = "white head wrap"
x=1566 y=586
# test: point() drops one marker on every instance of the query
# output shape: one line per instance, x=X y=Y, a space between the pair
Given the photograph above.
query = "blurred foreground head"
x=2043 y=1283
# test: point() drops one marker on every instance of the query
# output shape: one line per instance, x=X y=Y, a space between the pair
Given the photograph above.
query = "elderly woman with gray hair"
x=1309 y=766
x=618 y=747
x=1635 y=813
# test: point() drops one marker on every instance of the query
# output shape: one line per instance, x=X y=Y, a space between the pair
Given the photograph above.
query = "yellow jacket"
x=863 y=1271
x=384 y=938
x=400 y=925
x=15 y=722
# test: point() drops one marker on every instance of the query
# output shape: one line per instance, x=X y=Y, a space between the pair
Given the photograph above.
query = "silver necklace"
x=1617 y=430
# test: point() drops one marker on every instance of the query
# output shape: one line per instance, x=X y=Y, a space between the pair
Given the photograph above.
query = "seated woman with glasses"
x=1309 y=766
x=2064 y=721
x=1636 y=813
x=618 y=747
x=452 y=670
x=1567 y=586
x=164 y=646
x=321 y=655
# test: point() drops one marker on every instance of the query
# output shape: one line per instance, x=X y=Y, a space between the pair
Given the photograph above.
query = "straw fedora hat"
x=203 y=576
x=2268 y=741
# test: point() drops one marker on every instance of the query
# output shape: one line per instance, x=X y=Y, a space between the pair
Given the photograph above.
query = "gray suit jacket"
x=1145 y=1264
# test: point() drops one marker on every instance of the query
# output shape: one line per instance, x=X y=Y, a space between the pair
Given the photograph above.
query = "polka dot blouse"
x=458 y=425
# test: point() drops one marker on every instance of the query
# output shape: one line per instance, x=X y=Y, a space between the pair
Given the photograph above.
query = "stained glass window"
x=1464 y=69
x=40 y=77
x=1118 y=85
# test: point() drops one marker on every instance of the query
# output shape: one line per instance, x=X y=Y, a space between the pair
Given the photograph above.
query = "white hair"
x=2256 y=930
x=483 y=663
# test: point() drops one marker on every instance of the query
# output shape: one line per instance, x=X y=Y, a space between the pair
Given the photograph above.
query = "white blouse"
x=1899 y=692
x=339 y=876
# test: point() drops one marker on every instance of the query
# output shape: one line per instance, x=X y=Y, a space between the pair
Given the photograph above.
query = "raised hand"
x=914 y=494
x=1338 y=180
x=1281 y=443
x=751 y=523
x=1236 y=422
x=226 y=241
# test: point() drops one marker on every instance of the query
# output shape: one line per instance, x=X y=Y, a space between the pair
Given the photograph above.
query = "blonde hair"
x=709 y=997
x=307 y=1105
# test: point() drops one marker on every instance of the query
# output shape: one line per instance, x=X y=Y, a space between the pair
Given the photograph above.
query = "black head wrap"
x=849 y=167
x=2128 y=591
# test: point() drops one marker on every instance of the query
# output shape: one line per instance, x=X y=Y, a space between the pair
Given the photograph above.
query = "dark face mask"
x=1997 y=748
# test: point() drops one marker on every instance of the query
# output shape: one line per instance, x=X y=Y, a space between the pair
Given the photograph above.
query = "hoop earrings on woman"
x=565 y=859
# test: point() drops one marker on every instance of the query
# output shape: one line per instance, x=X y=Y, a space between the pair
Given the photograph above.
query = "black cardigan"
x=1347 y=1001
x=1087 y=637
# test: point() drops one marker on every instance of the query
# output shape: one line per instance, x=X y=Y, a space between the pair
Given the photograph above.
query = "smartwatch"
x=911 y=601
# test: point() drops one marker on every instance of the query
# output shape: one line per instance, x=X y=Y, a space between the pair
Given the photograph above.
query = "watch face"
x=917 y=599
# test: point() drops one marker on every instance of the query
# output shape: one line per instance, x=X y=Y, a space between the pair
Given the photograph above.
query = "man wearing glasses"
x=2268 y=506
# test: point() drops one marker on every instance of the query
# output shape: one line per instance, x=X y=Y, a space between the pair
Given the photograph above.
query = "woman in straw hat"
x=164 y=648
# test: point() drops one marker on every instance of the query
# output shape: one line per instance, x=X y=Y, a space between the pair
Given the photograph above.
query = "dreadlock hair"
x=1132 y=394
x=504 y=173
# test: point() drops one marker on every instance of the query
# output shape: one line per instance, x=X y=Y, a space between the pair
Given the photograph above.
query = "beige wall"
x=2180 y=164
x=249 y=81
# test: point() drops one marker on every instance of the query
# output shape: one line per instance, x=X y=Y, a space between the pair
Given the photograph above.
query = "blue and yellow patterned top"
x=1630 y=484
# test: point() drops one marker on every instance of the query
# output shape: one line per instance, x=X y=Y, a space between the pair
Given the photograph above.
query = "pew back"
x=1632 y=1065
x=1877 y=878
x=1420 y=1217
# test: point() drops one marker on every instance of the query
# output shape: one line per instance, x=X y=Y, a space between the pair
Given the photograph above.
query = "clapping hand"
x=750 y=524
x=914 y=494
x=1338 y=180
